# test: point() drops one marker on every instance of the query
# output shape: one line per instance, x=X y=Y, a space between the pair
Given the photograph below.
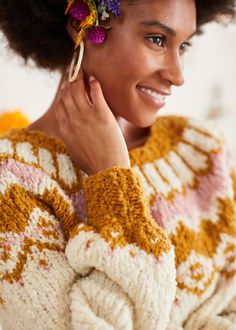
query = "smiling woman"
x=151 y=40
x=111 y=216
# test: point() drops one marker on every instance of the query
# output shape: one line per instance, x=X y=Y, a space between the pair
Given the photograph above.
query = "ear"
x=71 y=29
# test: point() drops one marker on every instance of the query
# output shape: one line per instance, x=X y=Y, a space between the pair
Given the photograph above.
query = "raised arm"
x=126 y=259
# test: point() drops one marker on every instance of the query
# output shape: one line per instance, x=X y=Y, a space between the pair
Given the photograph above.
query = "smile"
x=157 y=98
x=150 y=92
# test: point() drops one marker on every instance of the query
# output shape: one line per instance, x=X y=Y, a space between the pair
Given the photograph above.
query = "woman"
x=111 y=218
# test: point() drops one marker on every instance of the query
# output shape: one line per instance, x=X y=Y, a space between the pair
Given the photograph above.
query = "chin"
x=146 y=115
x=142 y=123
x=143 y=120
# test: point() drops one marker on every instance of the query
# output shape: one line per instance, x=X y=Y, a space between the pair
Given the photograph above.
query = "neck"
x=134 y=136
x=48 y=122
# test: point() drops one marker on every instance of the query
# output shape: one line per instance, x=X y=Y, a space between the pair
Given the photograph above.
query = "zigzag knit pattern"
x=151 y=247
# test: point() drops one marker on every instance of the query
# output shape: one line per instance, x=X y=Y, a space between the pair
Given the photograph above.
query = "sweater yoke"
x=172 y=215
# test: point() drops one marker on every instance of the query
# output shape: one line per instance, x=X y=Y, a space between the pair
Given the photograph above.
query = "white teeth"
x=158 y=96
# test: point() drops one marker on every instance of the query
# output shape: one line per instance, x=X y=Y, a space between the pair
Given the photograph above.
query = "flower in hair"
x=104 y=15
x=88 y=13
x=96 y=34
x=79 y=10
x=112 y=5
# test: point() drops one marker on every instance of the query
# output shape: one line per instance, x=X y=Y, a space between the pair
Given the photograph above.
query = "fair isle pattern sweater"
x=152 y=247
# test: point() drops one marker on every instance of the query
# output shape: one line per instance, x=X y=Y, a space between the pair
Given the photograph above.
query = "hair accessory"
x=88 y=13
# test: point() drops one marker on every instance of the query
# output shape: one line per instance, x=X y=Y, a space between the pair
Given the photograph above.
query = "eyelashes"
x=160 y=41
x=185 y=46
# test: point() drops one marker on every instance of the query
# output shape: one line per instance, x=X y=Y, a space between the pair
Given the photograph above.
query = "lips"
x=152 y=95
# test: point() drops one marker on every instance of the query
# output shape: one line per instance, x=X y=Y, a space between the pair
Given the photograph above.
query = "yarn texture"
x=151 y=247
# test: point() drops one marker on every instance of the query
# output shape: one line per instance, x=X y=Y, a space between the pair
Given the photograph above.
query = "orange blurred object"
x=12 y=119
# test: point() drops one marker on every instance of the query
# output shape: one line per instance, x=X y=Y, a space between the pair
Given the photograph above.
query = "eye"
x=185 y=46
x=158 y=40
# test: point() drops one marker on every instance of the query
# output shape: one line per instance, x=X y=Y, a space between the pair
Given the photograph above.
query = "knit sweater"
x=150 y=247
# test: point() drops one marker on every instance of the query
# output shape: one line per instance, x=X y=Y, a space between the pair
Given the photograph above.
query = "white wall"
x=23 y=87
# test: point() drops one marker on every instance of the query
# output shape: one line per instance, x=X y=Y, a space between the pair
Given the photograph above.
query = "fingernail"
x=91 y=78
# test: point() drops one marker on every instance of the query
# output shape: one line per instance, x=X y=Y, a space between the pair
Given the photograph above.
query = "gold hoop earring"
x=76 y=63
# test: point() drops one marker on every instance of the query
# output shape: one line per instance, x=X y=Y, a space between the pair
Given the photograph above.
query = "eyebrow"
x=164 y=27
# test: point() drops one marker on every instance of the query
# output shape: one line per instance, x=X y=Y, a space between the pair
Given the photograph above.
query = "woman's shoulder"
x=16 y=138
x=37 y=173
x=187 y=137
x=179 y=127
x=35 y=152
x=196 y=140
x=181 y=153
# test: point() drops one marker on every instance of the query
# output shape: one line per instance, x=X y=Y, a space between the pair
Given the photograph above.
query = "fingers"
x=79 y=93
x=96 y=94
x=74 y=96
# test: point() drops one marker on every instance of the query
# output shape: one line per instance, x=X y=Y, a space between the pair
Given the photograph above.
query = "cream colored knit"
x=147 y=248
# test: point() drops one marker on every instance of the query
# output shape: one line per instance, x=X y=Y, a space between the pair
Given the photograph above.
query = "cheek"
x=128 y=68
x=119 y=70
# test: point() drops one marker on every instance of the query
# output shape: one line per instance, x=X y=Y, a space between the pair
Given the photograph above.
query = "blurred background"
x=209 y=90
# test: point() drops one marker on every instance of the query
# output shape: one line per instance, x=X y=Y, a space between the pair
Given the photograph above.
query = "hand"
x=89 y=129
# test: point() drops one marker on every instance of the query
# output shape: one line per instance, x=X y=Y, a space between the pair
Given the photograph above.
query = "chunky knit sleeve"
x=35 y=277
x=125 y=260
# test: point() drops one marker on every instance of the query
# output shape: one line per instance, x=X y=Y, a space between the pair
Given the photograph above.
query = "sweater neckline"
x=59 y=144
x=164 y=135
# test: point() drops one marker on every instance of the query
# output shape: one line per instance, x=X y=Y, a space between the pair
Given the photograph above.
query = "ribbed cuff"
x=118 y=210
x=115 y=193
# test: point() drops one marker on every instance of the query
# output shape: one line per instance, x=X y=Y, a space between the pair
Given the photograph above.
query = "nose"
x=172 y=70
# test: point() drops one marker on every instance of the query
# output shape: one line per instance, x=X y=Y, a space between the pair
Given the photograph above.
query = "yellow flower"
x=11 y=120
x=90 y=20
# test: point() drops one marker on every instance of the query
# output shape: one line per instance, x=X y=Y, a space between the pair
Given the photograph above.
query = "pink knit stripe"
x=194 y=202
x=33 y=179
x=28 y=176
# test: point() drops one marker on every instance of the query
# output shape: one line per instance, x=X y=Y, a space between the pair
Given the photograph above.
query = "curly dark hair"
x=36 y=29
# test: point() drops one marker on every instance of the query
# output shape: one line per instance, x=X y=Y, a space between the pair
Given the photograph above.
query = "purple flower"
x=96 y=34
x=79 y=10
x=112 y=5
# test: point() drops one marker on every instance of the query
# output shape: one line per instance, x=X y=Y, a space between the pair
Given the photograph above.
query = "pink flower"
x=79 y=10
x=96 y=34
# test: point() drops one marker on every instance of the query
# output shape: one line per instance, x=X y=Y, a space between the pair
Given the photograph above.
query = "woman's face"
x=141 y=57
